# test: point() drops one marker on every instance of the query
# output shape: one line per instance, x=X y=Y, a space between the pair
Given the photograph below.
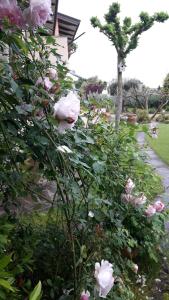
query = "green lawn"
x=161 y=144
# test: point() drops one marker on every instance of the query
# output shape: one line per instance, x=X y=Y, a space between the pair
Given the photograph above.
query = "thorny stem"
x=69 y=225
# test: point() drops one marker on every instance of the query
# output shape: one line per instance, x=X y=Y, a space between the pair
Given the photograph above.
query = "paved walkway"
x=159 y=166
x=161 y=287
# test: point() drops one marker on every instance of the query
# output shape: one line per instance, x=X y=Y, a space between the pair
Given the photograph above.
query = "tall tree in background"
x=125 y=38
x=165 y=87
x=164 y=96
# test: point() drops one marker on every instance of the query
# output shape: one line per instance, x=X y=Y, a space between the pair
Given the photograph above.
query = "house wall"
x=62 y=48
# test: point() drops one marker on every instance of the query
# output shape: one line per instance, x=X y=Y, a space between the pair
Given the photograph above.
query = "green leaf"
x=5 y=261
x=98 y=166
x=19 y=43
x=83 y=252
x=36 y=293
x=2 y=295
x=4 y=283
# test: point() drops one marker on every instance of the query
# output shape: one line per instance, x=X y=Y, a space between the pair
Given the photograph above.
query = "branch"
x=159 y=108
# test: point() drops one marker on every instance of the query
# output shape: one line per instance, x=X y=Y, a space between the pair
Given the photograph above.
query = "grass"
x=161 y=144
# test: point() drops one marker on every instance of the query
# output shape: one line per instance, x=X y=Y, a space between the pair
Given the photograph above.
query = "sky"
x=96 y=56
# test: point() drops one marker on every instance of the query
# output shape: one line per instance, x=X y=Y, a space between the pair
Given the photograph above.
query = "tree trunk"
x=146 y=104
x=119 y=100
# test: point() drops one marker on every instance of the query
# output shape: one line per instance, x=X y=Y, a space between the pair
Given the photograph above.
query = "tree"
x=92 y=85
x=125 y=38
x=166 y=85
x=135 y=93
x=164 y=96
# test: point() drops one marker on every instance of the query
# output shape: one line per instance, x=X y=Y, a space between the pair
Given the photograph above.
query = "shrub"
x=142 y=115
x=87 y=220
x=167 y=107
x=113 y=233
x=152 y=110
x=163 y=118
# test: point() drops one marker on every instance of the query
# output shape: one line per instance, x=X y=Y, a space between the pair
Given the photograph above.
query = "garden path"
x=159 y=166
x=160 y=290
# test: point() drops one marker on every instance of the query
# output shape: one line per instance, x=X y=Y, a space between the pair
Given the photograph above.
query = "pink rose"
x=45 y=82
x=150 y=211
x=10 y=9
x=159 y=206
x=38 y=13
x=85 y=295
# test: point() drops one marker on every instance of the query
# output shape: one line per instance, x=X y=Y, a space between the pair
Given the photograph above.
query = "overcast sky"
x=95 y=54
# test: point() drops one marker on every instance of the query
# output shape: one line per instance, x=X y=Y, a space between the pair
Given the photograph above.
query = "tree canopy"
x=125 y=36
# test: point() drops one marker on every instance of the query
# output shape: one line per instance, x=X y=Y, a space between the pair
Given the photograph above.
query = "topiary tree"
x=125 y=38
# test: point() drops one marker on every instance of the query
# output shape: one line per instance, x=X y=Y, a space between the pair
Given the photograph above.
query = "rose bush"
x=84 y=172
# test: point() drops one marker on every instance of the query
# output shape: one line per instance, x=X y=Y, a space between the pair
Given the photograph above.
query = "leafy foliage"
x=60 y=246
x=125 y=37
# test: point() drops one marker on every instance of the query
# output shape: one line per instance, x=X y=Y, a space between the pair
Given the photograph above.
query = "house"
x=64 y=28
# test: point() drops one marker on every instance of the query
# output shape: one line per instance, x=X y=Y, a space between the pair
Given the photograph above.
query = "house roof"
x=68 y=26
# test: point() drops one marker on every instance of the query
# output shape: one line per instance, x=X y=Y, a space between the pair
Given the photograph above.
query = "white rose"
x=52 y=73
x=66 y=111
x=104 y=278
x=140 y=200
x=135 y=268
x=64 y=149
x=129 y=186
x=91 y=214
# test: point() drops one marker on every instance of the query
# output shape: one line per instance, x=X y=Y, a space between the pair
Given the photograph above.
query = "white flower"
x=85 y=121
x=153 y=130
x=91 y=214
x=128 y=198
x=135 y=268
x=154 y=135
x=152 y=126
x=64 y=149
x=157 y=280
x=104 y=277
x=129 y=186
x=66 y=111
x=103 y=110
x=52 y=73
x=140 y=200
x=150 y=211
